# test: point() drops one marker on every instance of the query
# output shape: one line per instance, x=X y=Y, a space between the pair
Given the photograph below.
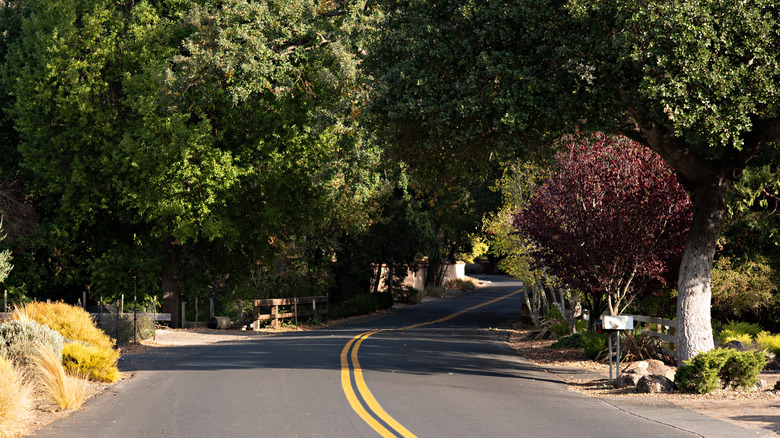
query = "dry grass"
x=16 y=396
x=68 y=392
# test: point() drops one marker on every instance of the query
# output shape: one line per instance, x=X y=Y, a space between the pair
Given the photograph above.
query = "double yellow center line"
x=363 y=402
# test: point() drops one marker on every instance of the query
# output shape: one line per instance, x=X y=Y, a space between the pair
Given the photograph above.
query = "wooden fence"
x=664 y=329
x=294 y=308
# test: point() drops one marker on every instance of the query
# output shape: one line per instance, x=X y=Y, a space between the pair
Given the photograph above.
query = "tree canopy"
x=696 y=81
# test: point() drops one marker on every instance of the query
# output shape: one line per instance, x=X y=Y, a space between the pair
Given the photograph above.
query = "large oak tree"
x=695 y=81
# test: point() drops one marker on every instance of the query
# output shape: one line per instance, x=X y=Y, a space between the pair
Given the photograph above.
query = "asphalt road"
x=412 y=377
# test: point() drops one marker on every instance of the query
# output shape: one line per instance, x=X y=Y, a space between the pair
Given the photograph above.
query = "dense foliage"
x=609 y=218
x=194 y=149
x=698 y=82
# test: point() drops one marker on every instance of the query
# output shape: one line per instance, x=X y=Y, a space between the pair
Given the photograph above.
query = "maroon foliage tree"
x=609 y=217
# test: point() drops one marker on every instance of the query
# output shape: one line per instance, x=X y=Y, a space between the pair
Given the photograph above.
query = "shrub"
x=769 y=342
x=744 y=338
x=18 y=339
x=742 y=287
x=435 y=291
x=464 y=284
x=66 y=391
x=740 y=327
x=594 y=345
x=70 y=321
x=15 y=400
x=742 y=368
x=97 y=363
x=361 y=304
x=569 y=341
x=640 y=345
x=701 y=373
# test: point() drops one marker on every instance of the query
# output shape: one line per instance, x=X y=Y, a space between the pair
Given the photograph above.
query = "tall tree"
x=697 y=82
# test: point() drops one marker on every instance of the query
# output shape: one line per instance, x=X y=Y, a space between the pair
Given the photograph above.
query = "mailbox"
x=617 y=322
x=613 y=323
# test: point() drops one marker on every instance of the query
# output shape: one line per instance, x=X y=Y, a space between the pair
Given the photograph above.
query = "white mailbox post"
x=615 y=323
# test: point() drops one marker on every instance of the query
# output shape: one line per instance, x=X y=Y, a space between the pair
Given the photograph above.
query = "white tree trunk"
x=694 y=327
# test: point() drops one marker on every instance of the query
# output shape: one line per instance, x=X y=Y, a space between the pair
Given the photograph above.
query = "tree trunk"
x=694 y=328
x=169 y=281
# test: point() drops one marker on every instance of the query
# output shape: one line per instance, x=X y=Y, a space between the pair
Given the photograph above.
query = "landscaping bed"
x=754 y=409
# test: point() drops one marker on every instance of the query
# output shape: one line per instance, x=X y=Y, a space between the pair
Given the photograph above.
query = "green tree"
x=697 y=82
x=165 y=130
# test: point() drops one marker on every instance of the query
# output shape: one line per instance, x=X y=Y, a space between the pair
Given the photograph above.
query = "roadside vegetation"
x=50 y=352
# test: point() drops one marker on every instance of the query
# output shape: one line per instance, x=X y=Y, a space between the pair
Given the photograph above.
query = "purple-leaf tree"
x=610 y=216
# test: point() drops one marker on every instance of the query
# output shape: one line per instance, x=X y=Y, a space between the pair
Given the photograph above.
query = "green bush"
x=741 y=369
x=594 y=345
x=569 y=341
x=769 y=342
x=18 y=339
x=743 y=287
x=701 y=373
x=361 y=304
x=733 y=329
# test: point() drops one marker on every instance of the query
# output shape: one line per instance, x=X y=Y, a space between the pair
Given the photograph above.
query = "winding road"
x=439 y=369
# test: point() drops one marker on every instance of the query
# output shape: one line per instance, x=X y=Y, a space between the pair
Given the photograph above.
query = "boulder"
x=639 y=367
x=636 y=370
x=735 y=345
x=651 y=384
x=762 y=385
x=626 y=380
x=777 y=385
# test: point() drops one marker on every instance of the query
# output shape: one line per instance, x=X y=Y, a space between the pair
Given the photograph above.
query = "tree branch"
x=691 y=166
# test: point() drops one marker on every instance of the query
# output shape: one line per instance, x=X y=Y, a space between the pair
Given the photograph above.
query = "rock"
x=649 y=367
x=773 y=365
x=736 y=345
x=761 y=385
x=626 y=380
x=651 y=384
x=639 y=367
x=777 y=385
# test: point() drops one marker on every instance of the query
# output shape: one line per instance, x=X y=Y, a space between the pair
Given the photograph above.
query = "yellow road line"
x=346 y=385
x=347 y=372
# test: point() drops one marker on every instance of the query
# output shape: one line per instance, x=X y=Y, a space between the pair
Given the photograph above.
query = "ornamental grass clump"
x=73 y=322
x=16 y=396
x=90 y=351
x=66 y=390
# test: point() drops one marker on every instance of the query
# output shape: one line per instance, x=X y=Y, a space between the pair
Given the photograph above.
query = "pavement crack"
x=650 y=419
